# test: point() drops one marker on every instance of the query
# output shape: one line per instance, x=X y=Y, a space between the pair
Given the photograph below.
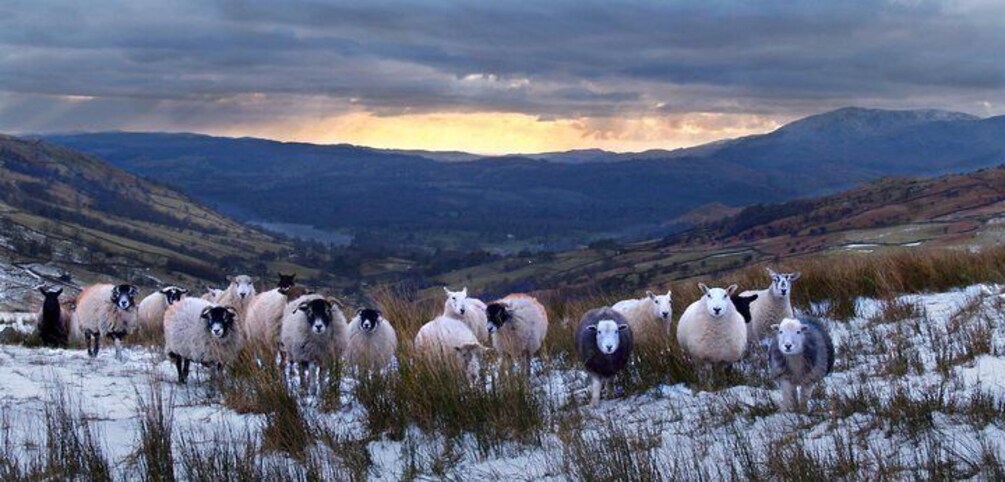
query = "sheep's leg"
x=800 y=399
x=304 y=377
x=177 y=364
x=186 y=364
x=118 y=347
x=526 y=363
x=788 y=396
x=597 y=386
x=97 y=344
x=87 y=341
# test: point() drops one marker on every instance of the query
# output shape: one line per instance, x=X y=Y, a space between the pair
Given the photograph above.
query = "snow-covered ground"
x=883 y=366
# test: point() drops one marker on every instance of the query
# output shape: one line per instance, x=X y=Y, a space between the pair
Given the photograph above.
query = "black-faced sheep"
x=773 y=305
x=469 y=310
x=518 y=324
x=372 y=340
x=711 y=330
x=105 y=310
x=152 y=308
x=801 y=355
x=449 y=341
x=649 y=317
x=313 y=332
x=54 y=319
x=604 y=345
x=203 y=332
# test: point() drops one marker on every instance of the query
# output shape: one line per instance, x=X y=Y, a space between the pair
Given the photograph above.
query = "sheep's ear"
x=591 y=328
x=58 y=291
x=133 y=291
x=183 y=291
x=164 y=291
x=771 y=272
x=301 y=307
x=703 y=287
x=446 y=290
x=732 y=289
x=335 y=302
x=669 y=294
x=464 y=291
x=794 y=276
x=622 y=327
x=230 y=279
x=775 y=326
x=42 y=290
x=468 y=350
x=651 y=295
x=205 y=312
x=231 y=312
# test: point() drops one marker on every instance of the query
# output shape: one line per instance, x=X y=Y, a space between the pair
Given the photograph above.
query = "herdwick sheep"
x=152 y=308
x=469 y=310
x=773 y=305
x=200 y=331
x=518 y=324
x=604 y=344
x=54 y=319
x=372 y=340
x=801 y=355
x=313 y=331
x=105 y=310
x=238 y=294
x=448 y=340
x=711 y=330
x=649 y=316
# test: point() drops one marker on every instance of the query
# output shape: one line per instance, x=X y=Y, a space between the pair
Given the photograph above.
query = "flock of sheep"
x=307 y=329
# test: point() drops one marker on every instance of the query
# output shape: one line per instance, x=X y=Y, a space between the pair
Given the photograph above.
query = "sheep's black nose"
x=666 y=314
x=717 y=310
x=610 y=347
x=788 y=347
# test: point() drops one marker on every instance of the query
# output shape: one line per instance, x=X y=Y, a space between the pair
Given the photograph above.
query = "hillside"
x=63 y=212
x=548 y=201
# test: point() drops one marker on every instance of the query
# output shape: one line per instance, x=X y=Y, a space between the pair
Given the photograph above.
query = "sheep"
x=372 y=340
x=711 y=330
x=238 y=294
x=448 y=340
x=648 y=316
x=152 y=308
x=313 y=330
x=105 y=310
x=801 y=355
x=211 y=294
x=200 y=331
x=264 y=314
x=772 y=305
x=469 y=310
x=518 y=324
x=604 y=344
x=53 y=319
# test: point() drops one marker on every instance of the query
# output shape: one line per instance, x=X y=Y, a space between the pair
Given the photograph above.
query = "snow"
x=700 y=427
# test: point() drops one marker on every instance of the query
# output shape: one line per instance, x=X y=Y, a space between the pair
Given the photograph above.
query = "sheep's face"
x=781 y=283
x=717 y=299
x=173 y=294
x=51 y=296
x=368 y=319
x=318 y=313
x=124 y=296
x=497 y=315
x=662 y=305
x=791 y=334
x=244 y=285
x=457 y=300
x=219 y=320
x=608 y=335
x=286 y=281
x=471 y=359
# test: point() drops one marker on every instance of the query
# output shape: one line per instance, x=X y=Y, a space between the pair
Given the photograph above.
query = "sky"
x=489 y=76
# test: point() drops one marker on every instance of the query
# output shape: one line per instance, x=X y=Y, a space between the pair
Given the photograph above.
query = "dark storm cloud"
x=168 y=63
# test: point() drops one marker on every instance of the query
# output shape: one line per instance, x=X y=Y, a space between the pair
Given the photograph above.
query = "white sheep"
x=469 y=310
x=313 y=331
x=152 y=308
x=203 y=332
x=238 y=294
x=264 y=317
x=105 y=310
x=772 y=305
x=372 y=340
x=518 y=324
x=448 y=340
x=211 y=294
x=604 y=345
x=711 y=330
x=801 y=354
x=649 y=316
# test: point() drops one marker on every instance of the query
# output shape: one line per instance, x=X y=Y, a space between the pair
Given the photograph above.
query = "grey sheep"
x=801 y=354
x=604 y=345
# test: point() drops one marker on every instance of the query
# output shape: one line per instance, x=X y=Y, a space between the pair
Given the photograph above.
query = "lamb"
x=469 y=310
x=648 y=316
x=203 y=332
x=152 y=308
x=105 y=310
x=772 y=305
x=238 y=294
x=448 y=340
x=265 y=311
x=711 y=330
x=801 y=355
x=518 y=324
x=604 y=344
x=372 y=340
x=53 y=319
x=313 y=331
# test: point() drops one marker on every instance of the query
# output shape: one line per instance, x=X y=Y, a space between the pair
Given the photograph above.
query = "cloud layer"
x=613 y=70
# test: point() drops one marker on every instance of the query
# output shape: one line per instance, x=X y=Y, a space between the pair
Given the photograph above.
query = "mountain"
x=551 y=200
x=64 y=211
